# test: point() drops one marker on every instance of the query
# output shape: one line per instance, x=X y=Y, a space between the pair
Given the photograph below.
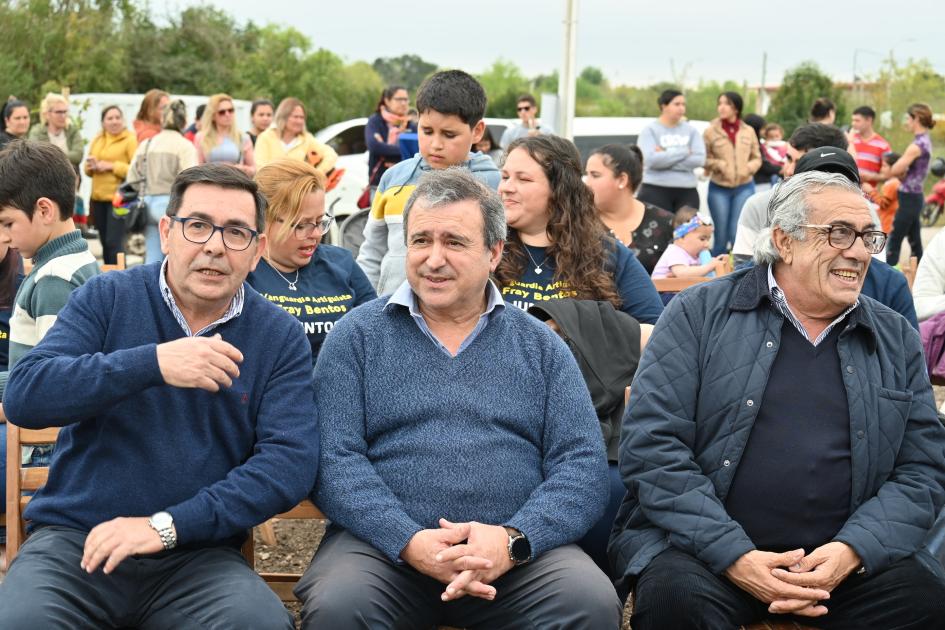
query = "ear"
x=784 y=244
x=262 y=245
x=623 y=180
x=478 y=130
x=47 y=209
x=164 y=228
x=495 y=255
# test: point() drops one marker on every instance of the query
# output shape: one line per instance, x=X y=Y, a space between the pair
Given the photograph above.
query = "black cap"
x=829 y=160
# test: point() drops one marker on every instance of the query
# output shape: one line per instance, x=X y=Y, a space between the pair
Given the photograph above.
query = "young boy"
x=37 y=197
x=451 y=106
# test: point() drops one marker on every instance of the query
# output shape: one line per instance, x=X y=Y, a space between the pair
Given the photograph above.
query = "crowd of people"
x=467 y=433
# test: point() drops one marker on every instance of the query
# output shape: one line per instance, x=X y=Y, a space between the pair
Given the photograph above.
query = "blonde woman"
x=55 y=126
x=314 y=282
x=219 y=139
x=290 y=139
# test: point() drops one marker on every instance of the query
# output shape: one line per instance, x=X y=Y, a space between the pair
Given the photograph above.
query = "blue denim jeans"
x=725 y=206
x=157 y=208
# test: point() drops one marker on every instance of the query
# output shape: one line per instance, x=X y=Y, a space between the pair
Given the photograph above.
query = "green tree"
x=503 y=82
x=799 y=89
x=406 y=70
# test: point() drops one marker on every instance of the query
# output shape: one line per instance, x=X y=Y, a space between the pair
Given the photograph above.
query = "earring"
x=620 y=186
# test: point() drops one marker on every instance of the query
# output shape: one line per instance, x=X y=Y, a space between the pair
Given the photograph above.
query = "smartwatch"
x=163 y=524
x=520 y=550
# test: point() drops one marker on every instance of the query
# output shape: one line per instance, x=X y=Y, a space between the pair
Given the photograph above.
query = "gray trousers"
x=201 y=588
x=350 y=584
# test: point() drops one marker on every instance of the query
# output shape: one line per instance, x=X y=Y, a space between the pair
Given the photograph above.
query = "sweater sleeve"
x=574 y=492
x=374 y=247
x=264 y=153
x=360 y=285
x=349 y=491
x=928 y=290
x=639 y=297
x=696 y=157
x=376 y=127
x=284 y=463
x=653 y=159
x=894 y=523
x=76 y=145
x=657 y=460
x=73 y=346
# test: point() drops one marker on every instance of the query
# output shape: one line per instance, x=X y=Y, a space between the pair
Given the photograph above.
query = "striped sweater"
x=59 y=266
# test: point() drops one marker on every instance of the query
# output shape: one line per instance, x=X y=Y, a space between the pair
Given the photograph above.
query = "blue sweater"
x=636 y=290
x=327 y=288
x=503 y=433
x=132 y=445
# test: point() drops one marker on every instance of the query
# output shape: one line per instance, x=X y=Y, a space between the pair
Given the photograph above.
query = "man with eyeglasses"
x=193 y=420
x=528 y=125
x=781 y=449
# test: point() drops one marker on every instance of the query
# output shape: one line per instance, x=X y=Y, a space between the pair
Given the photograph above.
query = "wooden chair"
x=283 y=583
x=21 y=479
x=675 y=285
x=118 y=266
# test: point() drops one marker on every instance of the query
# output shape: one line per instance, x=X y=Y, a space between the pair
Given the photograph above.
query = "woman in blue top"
x=911 y=169
x=557 y=246
x=315 y=283
x=220 y=140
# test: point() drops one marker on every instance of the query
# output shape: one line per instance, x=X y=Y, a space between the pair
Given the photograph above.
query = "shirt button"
x=750 y=403
x=770 y=344
x=726 y=463
x=850 y=369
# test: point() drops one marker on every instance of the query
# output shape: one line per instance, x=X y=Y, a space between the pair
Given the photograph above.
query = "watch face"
x=521 y=549
x=162 y=520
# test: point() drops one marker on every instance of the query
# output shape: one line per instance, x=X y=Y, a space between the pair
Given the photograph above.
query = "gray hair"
x=789 y=209
x=439 y=188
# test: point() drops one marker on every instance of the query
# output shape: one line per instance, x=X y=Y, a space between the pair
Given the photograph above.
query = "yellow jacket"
x=115 y=149
x=269 y=147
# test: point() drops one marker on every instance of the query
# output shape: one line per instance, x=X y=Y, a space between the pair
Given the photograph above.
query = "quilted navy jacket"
x=694 y=400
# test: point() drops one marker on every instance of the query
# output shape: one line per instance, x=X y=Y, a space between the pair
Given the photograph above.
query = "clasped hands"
x=791 y=582
x=466 y=557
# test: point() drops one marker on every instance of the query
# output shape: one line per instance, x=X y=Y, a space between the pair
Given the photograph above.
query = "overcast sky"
x=633 y=41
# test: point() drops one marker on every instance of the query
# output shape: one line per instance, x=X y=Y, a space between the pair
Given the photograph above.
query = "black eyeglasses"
x=303 y=231
x=524 y=109
x=228 y=110
x=196 y=230
x=842 y=237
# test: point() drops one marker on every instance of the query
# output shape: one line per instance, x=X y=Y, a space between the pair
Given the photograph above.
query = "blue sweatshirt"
x=132 y=445
x=682 y=149
x=639 y=296
x=503 y=433
x=327 y=288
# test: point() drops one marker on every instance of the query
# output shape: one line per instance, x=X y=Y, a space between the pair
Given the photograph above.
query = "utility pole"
x=567 y=83
x=762 y=107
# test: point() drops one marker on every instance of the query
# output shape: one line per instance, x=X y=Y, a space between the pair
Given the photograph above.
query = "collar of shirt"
x=236 y=306
x=404 y=296
x=780 y=302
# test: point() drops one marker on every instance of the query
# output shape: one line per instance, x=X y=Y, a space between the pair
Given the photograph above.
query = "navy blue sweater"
x=132 y=445
x=503 y=433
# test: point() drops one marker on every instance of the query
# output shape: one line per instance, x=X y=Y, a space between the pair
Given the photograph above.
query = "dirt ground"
x=297 y=541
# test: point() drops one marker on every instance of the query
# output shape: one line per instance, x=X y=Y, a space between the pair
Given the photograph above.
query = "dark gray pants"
x=350 y=584
x=203 y=588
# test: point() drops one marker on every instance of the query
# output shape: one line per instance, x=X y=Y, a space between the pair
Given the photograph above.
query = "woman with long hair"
x=156 y=164
x=557 y=246
x=316 y=283
x=383 y=128
x=147 y=123
x=260 y=115
x=56 y=127
x=290 y=139
x=911 y=170
x=733 y=155
x=220 y=140
x=109 y=157
x=671 y=151
x=16 y=121
x=613 y=174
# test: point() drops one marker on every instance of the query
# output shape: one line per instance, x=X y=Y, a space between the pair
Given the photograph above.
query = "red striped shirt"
x=869 y=153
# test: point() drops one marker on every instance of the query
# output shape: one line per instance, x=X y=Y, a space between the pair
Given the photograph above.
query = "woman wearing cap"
x=911 y=170
x=733 y=155
x=316 y=283
x=672 y=149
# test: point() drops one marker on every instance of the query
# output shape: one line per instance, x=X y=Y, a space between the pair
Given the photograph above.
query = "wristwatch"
x=163 y=524
x=520 y=550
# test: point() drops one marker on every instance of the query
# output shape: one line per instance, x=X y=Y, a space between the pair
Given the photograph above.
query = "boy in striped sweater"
x=37 y=195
